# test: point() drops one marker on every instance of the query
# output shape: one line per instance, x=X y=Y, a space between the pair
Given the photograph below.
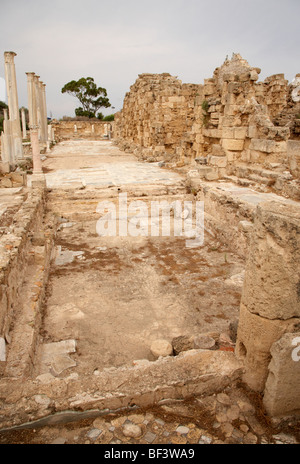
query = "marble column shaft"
x=13 y=105
x=23 y=118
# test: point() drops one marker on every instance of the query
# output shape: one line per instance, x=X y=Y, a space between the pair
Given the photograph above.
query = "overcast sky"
x=114 y=41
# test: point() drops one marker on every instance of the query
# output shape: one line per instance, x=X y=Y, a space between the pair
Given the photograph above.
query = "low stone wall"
x=25 y=255
x=190 y=373
x=94 y=129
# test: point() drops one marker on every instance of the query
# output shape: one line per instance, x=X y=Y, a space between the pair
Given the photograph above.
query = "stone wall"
x=270 y=305
x=158 y=116
x=72 y=129
x=231 y=126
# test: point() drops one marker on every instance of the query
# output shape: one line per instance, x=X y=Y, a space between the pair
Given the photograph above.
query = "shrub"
x=110 y=117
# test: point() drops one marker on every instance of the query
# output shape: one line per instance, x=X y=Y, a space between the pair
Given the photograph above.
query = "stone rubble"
x=229 y=417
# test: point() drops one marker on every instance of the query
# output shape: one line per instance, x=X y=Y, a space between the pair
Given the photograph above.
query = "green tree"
x=91 y=97
x=2 y=107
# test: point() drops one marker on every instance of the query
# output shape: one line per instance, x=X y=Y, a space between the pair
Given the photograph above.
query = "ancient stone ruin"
x=231 y=127
x=92 y=324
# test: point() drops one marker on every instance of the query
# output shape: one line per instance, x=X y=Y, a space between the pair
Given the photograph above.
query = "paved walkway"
x=249 y=195
x=100 y=164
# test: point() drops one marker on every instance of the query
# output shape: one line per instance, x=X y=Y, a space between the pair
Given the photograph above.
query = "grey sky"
x=115 y=41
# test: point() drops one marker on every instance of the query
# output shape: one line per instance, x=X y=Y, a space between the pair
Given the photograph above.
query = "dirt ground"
x=116 y=295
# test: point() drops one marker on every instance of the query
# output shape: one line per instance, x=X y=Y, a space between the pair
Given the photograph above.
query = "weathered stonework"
x=236 y=142
x=236 y=126
x=158 y=119
x=270 y=304
x=73 y=129
x=281 y=394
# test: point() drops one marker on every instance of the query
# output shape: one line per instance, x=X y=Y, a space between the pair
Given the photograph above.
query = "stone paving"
x=249 y=195
x=100 y=164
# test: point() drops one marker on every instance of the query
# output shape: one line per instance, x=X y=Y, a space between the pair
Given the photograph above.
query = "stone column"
x=32 y=90
x=35 y=146
x=38 y=104
x=31 y=99
x=43 y=137
x=270 y=305
x=7 y=145
x=23 y=117
x=45 y=119
x=13 y=105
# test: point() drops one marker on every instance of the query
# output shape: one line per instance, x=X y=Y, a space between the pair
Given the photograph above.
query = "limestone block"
x=255 y=337
x=256 y=156
x=4 y=167
x=219 y=161
x=217 y=150
x=233 y=144
x=212 y=175
x=253 y=75
x=280 y=147
x=252 y=132
x=231 y=156
x=281 y=395
x=272 y=282
x=293 y=153
x=231 y=110
x=182 y=343
x=228 y=133
x=261 y=145
x=222 y=172
x=209 y=89
x=177 y=99
x=213 y=133
x=240 y=133
x=268 y=146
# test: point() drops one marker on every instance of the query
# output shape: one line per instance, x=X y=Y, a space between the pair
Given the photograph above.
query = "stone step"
x=208 y=172
x=262 y=180
x=255 y=175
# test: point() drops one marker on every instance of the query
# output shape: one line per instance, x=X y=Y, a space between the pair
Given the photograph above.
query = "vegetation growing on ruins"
x=205 y=107
x=91 y=97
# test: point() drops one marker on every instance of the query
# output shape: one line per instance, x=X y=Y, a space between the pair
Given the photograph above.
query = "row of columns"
x=11 y=137
x=37 y=118
x=37 y=105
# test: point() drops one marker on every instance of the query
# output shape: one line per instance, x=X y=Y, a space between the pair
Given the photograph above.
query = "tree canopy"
x=91 y=97
x=3 y=106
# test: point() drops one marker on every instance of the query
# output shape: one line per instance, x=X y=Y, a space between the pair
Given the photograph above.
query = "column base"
x=38 y=180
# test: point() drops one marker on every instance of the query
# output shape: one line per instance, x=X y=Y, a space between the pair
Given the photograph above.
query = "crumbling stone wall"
x=231 y=126
x=158 y=117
